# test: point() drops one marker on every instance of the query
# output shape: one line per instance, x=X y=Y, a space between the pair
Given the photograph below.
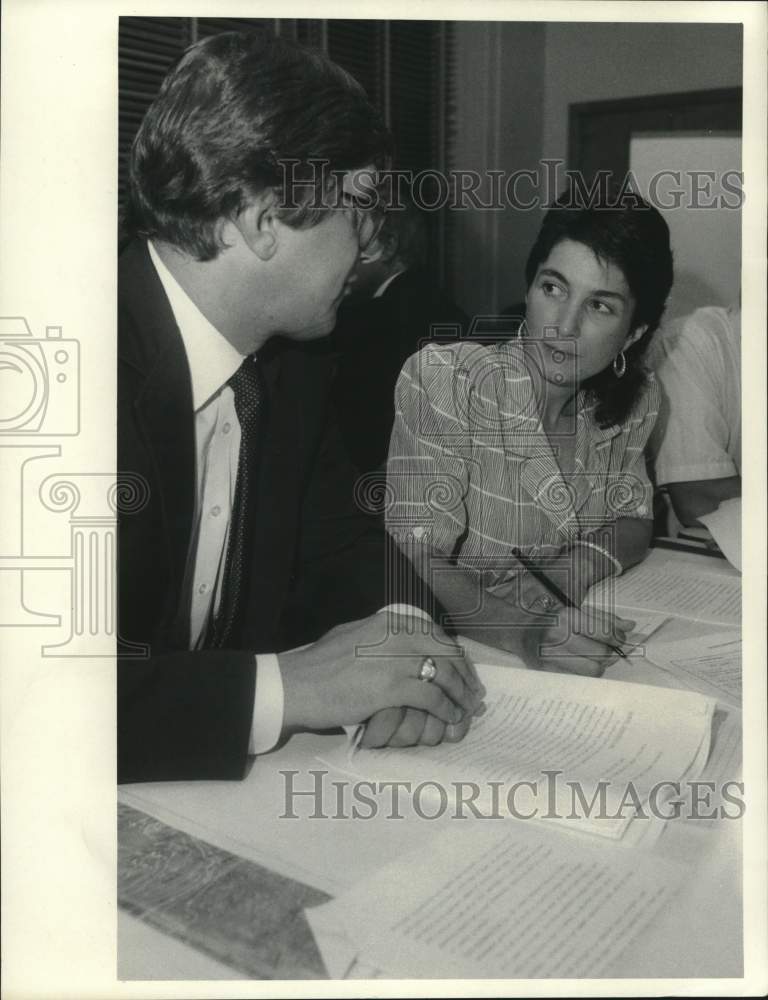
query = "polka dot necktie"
x=248 y=387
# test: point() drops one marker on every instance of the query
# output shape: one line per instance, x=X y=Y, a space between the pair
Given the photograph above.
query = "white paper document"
x=724 y=525
x=725 y=760
x=647 y=624
x=686 y=592
x=710 y=664
x=498 y=901
x=720 y=789
x=548 y=743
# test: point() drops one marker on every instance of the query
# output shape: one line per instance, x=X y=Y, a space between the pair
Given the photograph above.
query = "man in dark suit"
x=393 y=309
x=241 y=255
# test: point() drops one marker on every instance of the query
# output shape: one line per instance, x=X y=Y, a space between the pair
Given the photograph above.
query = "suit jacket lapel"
x=163 y=408
x=166 y=415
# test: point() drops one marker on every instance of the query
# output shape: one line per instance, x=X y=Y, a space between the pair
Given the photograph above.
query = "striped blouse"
x=472 y=473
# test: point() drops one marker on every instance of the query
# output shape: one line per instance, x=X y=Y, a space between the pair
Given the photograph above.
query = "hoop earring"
x=522 y=330
x=619 y=365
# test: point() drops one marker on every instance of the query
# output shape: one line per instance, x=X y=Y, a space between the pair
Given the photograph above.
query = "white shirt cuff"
x=406 y=609
x=267 y=705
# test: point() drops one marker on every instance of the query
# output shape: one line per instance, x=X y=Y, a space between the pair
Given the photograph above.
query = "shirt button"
x=226 y=428
x=215 y=511
x=203 y=588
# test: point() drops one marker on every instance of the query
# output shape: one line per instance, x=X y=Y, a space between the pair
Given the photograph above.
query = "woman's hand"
x=626 y=540
x=583 y=641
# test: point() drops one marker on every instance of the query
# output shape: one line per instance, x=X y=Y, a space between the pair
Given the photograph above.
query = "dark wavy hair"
x=632 y=235
x=239 y=114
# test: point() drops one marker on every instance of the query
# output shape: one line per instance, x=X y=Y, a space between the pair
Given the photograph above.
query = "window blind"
x=147 y=47
x=358 y=46
x=204 y=27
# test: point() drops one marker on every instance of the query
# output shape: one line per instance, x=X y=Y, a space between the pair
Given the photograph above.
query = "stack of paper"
x=710 y=664
x=581 y=753
x=493 y=902
x=684 y=591
x=725 y=527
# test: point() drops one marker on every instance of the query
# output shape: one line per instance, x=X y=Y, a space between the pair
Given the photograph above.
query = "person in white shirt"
x=241 y=253
x=696 y=445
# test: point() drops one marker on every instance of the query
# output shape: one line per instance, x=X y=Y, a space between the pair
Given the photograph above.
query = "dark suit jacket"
x=374 y=339
x=315 y=560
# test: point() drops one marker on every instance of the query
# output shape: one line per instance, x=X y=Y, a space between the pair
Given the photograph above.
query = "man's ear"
x=635 y=336
x=256 y=224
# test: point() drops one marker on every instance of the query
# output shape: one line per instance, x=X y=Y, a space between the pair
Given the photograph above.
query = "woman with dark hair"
x=519 y=465
x=635 y=240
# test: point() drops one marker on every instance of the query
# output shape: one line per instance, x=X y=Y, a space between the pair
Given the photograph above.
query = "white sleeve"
x=691 y=442
x=268 y=701
x=267 y=705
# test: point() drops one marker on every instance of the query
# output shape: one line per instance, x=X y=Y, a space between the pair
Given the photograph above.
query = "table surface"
x=213 y=880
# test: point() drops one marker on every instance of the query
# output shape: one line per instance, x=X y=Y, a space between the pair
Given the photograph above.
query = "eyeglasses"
x=366 y=219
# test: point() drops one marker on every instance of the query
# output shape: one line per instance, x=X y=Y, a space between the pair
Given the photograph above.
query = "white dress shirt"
x=212 y=361
x=699 y=366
